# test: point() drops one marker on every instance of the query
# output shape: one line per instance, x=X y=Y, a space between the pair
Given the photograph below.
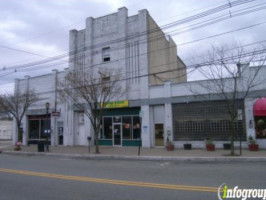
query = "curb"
x=141 y=158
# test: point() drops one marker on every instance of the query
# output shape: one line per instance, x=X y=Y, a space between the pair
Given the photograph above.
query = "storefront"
x=121 y=127
x=196 y=121
x=259 y=110
x=39 y=128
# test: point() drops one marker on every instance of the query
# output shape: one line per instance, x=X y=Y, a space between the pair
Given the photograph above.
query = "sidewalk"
x=131 y=153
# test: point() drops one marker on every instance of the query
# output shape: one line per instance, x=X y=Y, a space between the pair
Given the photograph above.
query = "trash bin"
x=40 y=146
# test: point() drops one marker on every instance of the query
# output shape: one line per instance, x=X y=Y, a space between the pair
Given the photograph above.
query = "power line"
x=224 y=33
x=198 y=65
x=236 y=3
x=185 y=42
x=145 y=54
x=58 y=58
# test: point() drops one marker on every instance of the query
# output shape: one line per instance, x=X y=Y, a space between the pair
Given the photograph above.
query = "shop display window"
x=127 y=127
x=107 y=128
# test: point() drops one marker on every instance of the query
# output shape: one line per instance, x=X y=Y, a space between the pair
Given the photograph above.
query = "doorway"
x=39 y=128
x=159 y=136
x=117 y=134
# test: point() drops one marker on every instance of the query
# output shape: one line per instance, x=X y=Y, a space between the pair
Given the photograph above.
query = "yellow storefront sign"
x=117 y=104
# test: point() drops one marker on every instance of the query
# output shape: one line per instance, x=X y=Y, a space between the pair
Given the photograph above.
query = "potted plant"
x=17 y=146
x=169 y=145
x=253 y=146
x=209 y=145
x=187 y=146
x=227 y=145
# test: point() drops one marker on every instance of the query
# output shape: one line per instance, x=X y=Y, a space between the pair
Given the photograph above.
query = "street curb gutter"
x=143 y=158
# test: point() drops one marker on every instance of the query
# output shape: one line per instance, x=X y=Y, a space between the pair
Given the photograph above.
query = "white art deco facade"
x=157 y=104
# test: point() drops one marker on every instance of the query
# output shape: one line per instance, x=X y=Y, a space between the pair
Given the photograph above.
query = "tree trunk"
x=232 y=138
x=19 y=132
x=97 y=150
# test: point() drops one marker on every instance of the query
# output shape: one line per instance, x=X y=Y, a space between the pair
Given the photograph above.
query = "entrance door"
x=39 y=128
x=117 y=134
x=159 y=136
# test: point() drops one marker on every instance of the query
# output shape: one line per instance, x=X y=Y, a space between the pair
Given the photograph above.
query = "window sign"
x=127 y=128
x=136 y=127
x=116 y=119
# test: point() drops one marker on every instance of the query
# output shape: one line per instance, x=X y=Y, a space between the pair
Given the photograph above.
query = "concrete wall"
x=134 y=45
x=182 y=71
x=207 y=87
x=163 y=57
x=118 y=32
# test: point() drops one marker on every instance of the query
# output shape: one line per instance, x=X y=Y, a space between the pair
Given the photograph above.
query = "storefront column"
x=168 y=121
x=250 y=123
x=145 y=126
x=168 y=117
x=88 y=130
x=72 y=128
x=25 y=131
x=53 y=131
x=69 y=127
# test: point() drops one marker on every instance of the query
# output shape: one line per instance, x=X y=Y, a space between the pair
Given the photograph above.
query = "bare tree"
x=17 y=104
x=90 y=92
x=229 y=75
x=5 y=115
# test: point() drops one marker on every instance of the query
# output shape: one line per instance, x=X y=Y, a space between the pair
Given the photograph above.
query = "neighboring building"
x=155 y=105
x=6 y=129
x=195 y=117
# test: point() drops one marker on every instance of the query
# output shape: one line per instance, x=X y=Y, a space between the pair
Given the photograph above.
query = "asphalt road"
x=25 y=177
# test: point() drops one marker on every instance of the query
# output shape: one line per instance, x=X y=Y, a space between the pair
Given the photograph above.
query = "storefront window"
x=45 y=128
x=260 y=123
x=131 y=128
x=127 y=127
x=34 y=129
x=136 y=127
x=107 y=123
x=39 y=128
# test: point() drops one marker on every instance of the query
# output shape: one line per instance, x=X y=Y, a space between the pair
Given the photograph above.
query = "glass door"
x=117 y=135
x=159 y=136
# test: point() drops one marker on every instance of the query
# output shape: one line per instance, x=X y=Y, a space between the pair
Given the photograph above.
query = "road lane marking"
x=112 y=181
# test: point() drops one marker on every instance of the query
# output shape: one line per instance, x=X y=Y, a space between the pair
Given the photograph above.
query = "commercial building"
x=158 y=104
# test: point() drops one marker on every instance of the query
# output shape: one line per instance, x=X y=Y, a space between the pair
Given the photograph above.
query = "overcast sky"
x=42 y=27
